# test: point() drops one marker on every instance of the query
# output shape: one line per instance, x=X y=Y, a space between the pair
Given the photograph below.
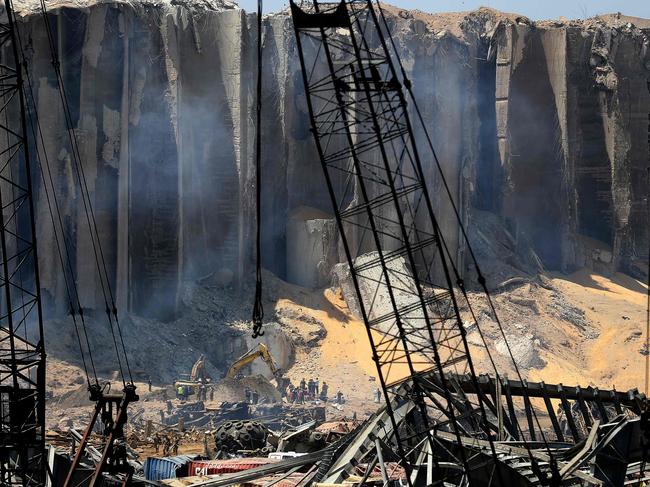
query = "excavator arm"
x=266 y=356
x=198 y=370
x=260 y=351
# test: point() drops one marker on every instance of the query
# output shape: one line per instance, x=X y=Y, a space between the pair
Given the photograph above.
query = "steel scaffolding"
x=387 y=224
x=22 y=354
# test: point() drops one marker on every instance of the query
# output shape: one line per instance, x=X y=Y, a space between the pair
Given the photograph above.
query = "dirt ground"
x=573 y=329
x=579 y=329
x=616 y=308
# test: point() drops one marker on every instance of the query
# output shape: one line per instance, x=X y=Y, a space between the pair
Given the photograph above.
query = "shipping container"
x=167 y=467
x=232 y=465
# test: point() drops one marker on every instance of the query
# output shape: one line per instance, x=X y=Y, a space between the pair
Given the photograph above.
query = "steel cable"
x=258 y=306
x=70 y=283
x=100 y=261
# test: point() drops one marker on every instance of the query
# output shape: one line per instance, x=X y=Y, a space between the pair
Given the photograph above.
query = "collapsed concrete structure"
x=166 y=257
x=541 y=124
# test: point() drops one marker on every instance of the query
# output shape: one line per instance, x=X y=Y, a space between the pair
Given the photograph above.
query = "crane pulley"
x=112 y=410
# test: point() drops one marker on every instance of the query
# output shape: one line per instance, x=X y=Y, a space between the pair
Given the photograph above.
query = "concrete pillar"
x=311 y=247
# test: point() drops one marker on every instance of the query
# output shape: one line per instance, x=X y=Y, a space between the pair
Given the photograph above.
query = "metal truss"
x=22 y=354
x=112 y=409
x=608 y=446
x=399 y=264
x=442 y=422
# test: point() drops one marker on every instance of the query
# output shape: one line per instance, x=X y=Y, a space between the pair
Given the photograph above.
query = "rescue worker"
x=323 y=392
x=310 y=387
x=301 y=396
x=166 y=443
x=339 y=397
x=303 y=384
x=316 y=384
x=174 y=445
x=180 y=393
x=156 y=442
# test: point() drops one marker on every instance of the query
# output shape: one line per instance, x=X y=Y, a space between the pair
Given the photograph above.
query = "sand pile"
x=578 y=329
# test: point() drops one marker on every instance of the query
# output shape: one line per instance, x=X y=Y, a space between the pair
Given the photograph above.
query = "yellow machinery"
x=198 y=370
x=199 y=375
x=261 y=351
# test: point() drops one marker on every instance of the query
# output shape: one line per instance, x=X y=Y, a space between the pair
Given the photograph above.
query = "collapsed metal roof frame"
x=603 y=453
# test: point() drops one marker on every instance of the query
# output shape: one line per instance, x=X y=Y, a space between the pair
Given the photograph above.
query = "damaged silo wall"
x=162 y=120
x=543 y=125
x=572 y=111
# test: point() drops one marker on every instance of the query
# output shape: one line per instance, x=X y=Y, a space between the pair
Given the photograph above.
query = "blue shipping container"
x=166 y=467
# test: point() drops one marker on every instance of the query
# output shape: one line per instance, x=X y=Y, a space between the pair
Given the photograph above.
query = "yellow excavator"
x=199 y=375
x=261 y=351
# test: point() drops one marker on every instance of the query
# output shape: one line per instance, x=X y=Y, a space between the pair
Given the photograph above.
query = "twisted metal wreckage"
x=443 y=422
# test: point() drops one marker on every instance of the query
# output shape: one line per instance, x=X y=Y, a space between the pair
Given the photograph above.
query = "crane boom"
x=22 y=351
x=380 y=194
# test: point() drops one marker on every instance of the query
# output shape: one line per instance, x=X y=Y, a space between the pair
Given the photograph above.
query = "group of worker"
x=310 y=390
x=183 y=392
x=203 y=393
x=169 y=443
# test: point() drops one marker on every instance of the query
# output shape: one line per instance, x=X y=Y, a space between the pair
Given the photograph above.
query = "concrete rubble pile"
x=296 y=445
x=236 y=443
